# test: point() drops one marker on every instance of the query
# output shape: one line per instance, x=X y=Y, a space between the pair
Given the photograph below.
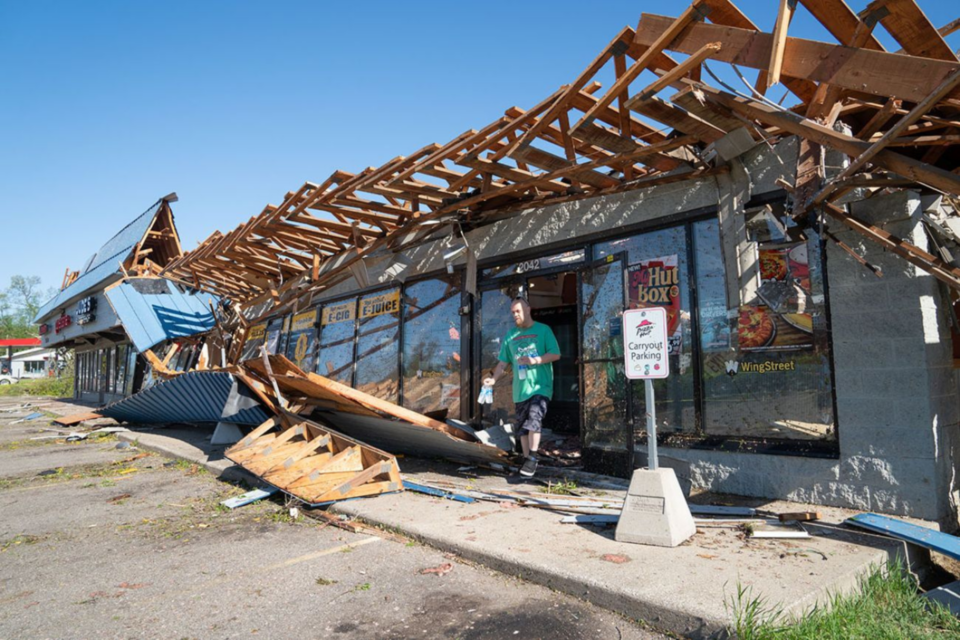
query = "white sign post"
x=655 y=511
x=645 y=351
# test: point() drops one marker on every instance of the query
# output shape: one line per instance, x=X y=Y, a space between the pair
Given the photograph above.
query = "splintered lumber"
x=909 y=26
x=314 y=463
x=799 y=516
x=682 y=69
x=310 y=385
x=877 y=72
x=840 y=20
x=904 y=165
x=656 y=47
x=909 y=252
x=784 y=16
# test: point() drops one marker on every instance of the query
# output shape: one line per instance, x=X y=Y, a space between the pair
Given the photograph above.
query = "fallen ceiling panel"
x=370 y=419
x=198 y=396
x=409 y=439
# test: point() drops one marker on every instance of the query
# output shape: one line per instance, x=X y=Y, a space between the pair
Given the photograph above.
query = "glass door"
x=606 y=430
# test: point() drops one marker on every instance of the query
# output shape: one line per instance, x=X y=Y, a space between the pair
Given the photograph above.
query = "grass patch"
x=561 y=488
x=19 y=540
x=886 y=605
x=51 y=387
x=324 y=582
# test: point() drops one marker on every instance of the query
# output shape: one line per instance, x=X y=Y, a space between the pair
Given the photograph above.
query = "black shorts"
x=530 y=414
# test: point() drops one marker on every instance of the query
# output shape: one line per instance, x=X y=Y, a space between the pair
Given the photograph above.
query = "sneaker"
x=529 y=468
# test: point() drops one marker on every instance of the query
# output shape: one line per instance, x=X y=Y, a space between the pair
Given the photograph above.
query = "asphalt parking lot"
x=98 y=541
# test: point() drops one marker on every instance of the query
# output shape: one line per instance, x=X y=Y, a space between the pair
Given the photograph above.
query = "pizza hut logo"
x=644 y=329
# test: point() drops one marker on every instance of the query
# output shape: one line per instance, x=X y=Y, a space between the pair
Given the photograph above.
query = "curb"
x=658 y=617
x=226 y=471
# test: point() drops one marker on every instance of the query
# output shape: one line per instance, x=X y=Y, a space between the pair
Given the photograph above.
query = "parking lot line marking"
x=320 y=554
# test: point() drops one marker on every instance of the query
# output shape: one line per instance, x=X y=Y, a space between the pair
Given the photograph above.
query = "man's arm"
x=544 y=359
x=492 y=380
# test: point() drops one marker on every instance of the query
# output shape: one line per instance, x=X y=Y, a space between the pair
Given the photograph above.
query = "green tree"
x=19 y=304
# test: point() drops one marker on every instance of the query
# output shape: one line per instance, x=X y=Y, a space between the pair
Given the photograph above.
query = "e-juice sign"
x=335 y=313
x=380 y=304
x=656 y=283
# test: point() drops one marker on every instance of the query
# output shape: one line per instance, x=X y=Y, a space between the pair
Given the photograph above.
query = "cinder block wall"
x=896 y=390
x=897 y=400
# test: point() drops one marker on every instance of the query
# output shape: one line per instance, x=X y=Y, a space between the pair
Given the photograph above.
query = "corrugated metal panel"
x=104 y=263
x=150 y=318
x=198 y=396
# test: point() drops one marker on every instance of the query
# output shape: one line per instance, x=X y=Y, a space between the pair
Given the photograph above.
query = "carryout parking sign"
x=645 y=345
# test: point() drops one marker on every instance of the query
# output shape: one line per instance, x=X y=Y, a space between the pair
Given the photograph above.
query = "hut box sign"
x=645 y=343
x=656 y=283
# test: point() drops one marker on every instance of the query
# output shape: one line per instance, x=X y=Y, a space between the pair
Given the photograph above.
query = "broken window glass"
x=431 y=346
x=378 y=345
x=337 y=332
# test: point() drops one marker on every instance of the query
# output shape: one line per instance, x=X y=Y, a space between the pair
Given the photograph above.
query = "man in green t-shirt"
x=531 y=348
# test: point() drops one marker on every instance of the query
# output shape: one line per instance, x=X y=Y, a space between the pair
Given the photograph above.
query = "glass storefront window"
x=766 y=364
x=378 y=348
x=604 y=384
x=121 y=370
x=431 y=346
x=657 y=275
x=495 y=322
x=254 y=340
x=301 y=340
x=131 y=370
x=275 y=329
x=337 y=332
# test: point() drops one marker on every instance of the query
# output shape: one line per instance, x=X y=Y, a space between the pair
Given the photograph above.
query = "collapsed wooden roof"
x=895 y=114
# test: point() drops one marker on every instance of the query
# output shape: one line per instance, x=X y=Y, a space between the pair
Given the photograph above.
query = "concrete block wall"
x=897 y=401
x=898 y=407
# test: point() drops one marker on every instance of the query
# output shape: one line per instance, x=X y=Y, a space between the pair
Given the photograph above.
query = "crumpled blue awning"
x=152 y=310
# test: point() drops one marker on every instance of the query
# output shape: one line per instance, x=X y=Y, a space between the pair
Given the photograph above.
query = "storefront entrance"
x=583 y=304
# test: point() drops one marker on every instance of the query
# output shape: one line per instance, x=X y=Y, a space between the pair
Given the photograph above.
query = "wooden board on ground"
x=76 y=418
x=313 y=463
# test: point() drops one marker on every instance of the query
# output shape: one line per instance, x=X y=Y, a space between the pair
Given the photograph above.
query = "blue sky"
x=108 y=106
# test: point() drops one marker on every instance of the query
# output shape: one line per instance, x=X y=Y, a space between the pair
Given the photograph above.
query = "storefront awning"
x=152 y=310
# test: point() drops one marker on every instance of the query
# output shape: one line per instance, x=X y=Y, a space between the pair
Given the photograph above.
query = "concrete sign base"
x=655 y=511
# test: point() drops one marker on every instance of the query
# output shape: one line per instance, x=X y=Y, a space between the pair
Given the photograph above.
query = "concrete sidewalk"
x=686 y=590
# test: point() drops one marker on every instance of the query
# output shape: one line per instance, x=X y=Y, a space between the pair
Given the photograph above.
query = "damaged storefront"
x=116 y=309
x=802 y=253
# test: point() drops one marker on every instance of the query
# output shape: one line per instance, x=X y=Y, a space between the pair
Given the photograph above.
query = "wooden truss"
x=315 y=464
x=896 y=114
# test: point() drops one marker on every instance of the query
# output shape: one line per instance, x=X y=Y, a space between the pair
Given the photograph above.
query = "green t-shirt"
x=535 y=341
